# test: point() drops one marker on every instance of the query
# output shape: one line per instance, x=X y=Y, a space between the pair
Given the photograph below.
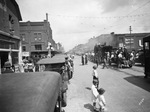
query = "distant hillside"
x=89 y=46
x=114 y=40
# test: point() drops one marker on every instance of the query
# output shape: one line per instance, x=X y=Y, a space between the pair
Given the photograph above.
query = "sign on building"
x=129 y=40
x=26 y=54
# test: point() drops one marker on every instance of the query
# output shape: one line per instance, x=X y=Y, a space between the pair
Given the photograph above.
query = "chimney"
x=112 y=33
x=47 y=17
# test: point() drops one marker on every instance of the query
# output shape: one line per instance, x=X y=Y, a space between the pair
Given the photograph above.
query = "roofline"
x=17 y=9
x=146 y=38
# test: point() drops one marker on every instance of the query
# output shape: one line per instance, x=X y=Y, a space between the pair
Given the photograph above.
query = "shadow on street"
x=120 y=70
x=88 y=88
x=139 y=81
x=89 y=106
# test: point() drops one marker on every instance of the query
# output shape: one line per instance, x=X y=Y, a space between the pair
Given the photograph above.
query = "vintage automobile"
x=57 y=64
x=146 y=49
x=123 y=61
x=139 y=57
x=30 y=92
x=104 y=51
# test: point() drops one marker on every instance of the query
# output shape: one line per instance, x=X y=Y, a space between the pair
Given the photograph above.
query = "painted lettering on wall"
x=140 y=43
x=129 y=40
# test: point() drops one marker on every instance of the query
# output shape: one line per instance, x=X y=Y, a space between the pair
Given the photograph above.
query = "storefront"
x=9 y=49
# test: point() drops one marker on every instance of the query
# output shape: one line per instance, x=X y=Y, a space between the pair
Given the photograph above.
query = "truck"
x=146 y=49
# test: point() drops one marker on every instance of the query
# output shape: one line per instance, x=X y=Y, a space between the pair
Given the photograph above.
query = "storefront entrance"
x=4 y=57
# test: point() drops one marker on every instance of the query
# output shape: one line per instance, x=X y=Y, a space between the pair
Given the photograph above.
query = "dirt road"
x=126 y=89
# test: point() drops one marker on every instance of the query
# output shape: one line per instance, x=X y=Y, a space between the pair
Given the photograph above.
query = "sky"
x=73 y=22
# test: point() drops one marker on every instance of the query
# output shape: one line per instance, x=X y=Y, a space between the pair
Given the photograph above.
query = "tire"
x=146 y=76
x=130 y=64
x=58 y=106
x=64 y=99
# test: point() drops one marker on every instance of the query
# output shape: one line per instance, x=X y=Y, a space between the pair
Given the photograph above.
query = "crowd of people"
x=121 y=57
x=26 y=66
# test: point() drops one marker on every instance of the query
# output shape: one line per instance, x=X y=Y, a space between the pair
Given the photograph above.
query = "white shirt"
x=100 y=102
x=94 y=93
x=95 y=73
x=120 y=55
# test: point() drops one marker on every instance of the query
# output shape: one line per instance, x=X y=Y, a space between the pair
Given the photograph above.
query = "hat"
x=7 y=64
x=101 y=91
x=95 y=66
x=66 y=57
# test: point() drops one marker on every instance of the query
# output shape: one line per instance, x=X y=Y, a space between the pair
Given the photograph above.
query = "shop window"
x=15 y=45
x=23 y=37
x=121 y=39
x=23 y=48
x=37 y=36
x=11 y=22
x=38 y=47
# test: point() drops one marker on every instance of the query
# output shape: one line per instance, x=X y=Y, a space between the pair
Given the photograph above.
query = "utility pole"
x=130 y=29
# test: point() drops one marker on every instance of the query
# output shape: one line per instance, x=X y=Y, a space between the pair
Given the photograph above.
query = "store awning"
x=7 y=41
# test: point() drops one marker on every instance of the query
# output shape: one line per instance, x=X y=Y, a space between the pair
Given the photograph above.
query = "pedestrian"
x=8 y=69
x=68 y=67
x=100 y=101
x=105 y=63
x=120 y=60
x=82 y=59
x=30 y=66
x=132 y=57
x=94 y=93
x=25 y=66
x=86 y=59
x=72 y=66
x=95 y=75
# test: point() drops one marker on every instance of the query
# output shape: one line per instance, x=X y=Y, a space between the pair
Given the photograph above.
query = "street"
x=126 y=89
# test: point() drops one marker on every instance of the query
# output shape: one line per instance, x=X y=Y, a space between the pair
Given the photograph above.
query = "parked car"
x=57 y=64
x=30 y=92
x=139 y=57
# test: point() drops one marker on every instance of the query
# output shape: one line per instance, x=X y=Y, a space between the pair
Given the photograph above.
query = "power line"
x=108 y=17
x=130 y=13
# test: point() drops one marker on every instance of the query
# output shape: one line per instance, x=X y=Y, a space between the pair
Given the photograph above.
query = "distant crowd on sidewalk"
x=84 y=59
x=25 y=66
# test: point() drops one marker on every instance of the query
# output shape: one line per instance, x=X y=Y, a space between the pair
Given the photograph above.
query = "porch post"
x=20 y=52
x=9 y=55
x=0 y=66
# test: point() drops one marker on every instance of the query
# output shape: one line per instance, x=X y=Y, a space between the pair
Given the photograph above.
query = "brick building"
x=132 y=41
x=10 y=47
x=35 y=37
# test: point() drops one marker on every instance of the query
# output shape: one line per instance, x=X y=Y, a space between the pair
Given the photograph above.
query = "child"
x=100 y=101
x=95 y=75
x=94 y=93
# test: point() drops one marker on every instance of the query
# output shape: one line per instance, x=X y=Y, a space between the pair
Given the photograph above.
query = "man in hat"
x=8 y=69
x=69 y=68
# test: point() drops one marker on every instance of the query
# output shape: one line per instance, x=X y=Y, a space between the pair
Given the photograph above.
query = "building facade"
x=35 y=37
x=131 y=41
x=10 y=46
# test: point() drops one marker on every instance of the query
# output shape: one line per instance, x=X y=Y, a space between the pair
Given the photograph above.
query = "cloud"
x=75 y=21
x=112 y=5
